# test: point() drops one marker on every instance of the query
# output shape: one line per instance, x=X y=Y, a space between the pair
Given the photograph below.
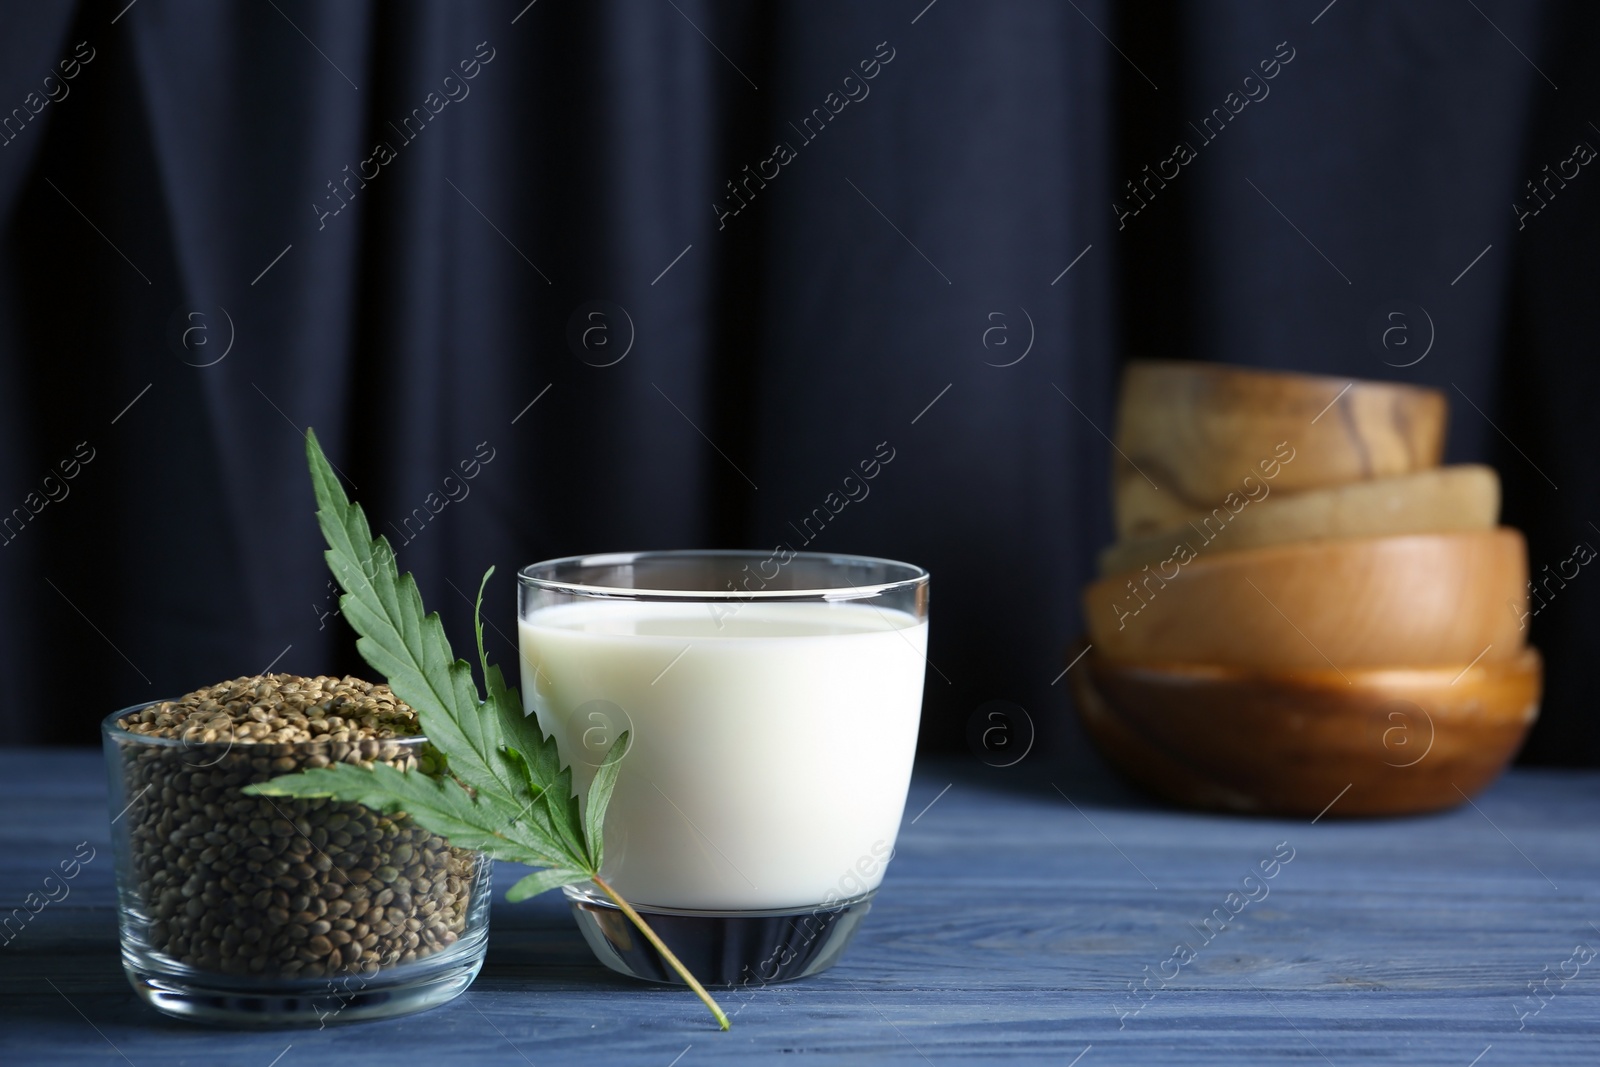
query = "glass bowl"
x=278 y=911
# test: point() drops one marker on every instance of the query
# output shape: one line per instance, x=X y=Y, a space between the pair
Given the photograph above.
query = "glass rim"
x=527 y=578
x=111 y=728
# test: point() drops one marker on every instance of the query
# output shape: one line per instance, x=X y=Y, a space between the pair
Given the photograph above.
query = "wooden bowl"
x=1387 y=741
x=1465 y=497
x=1417 y=600
x=1188 y=434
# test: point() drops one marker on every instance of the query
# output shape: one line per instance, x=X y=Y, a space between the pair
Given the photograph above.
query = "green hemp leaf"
x=504 y=789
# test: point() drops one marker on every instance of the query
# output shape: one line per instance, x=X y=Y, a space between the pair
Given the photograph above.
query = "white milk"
x=769 y=757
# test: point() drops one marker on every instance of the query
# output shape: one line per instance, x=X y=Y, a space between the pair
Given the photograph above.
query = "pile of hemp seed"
x=280 y=887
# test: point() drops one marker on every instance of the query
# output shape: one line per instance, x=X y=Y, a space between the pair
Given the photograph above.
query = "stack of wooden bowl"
x=1302 y=607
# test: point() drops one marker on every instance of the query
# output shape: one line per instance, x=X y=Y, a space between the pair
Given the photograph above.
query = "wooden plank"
x=1006 y=932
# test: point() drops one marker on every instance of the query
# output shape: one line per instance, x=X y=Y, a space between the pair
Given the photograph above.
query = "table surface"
x=1008 y=930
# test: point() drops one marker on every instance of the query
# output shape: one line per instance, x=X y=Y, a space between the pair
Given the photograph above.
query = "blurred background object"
x=1342 y=610
x=554 y=277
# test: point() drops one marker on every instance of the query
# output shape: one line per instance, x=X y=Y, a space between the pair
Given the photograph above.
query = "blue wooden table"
x=1009 y=929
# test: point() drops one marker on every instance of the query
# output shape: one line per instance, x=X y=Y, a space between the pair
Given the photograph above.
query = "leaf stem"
x=666 y=953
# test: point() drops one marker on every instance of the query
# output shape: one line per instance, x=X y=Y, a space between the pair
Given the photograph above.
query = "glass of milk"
x=771 y=702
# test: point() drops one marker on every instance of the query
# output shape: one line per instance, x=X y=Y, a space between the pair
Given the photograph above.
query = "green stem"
x=666 y=953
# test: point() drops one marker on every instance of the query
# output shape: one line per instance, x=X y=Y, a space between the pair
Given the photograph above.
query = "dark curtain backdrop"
x=872 y=289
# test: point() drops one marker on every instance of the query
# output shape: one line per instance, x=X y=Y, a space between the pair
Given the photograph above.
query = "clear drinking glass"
x=277 y=911
x=771 y=702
